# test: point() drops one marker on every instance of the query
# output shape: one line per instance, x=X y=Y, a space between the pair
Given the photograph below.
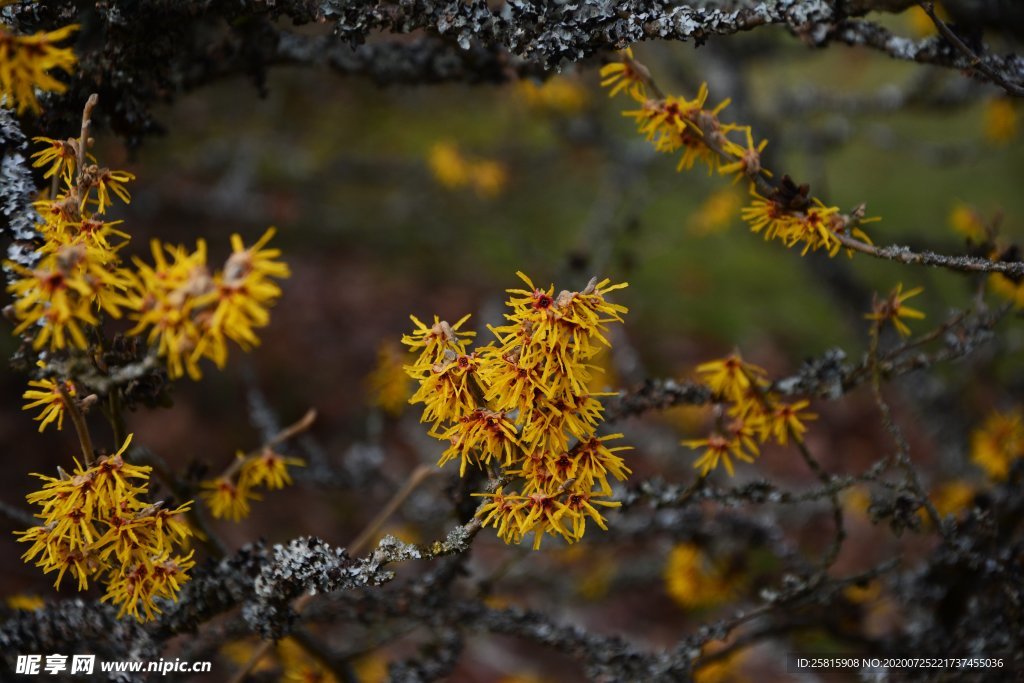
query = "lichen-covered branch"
x=829 y=375
x=142 y=55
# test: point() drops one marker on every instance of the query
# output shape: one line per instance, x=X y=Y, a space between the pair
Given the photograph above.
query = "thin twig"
x=418 y=476
x=976 y=62
x=837 y=511
x=17 y=514
x=902 y=455
x=83 y=141
x=77 y=419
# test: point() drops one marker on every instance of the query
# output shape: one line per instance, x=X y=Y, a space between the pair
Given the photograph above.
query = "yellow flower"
x=371 y=668
x=559 y=94
x=1001 y=121
x=136 y=590
x=299 y=666
x=504 y=512
x=592 y=461
x=239 y=652
x=268 y=469
x=892 y=309
x=26 y=602
x=715 y=213
x=59 y=296
x=61 y=155
x=769 y=216
x=1009 y=288
x=149 y=531
x=107 y=181
x=488 y=178
x=731 y=377
x=226 y=499
x=478 y=438
x=448 y=165
x=190 y=314
x=46 y=394
x=952 y=498
x=25 y=62
x=921 y=24
x=522 y=405
x=692 y=580
x=77 y=508
x=719 y=448
x=388 y=383
x=244 y=294
x=727 y=669
x=96 y=525
x=965 y=220
x=785 y=420
x=434 y=343
x=998 y=442
x=255 y=263
x=164 y=297
x=747 y=159
x=582 y=506
x=624 y=76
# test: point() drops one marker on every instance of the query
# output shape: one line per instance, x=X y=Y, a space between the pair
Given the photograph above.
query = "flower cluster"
x=694 y=131
x=453 y=170
x=78 y=275
x=521 y=406
x=183 y=310
x=190 y=314
x=749 y=414
x=26 y=63
x=96 y=526
x=228 y=496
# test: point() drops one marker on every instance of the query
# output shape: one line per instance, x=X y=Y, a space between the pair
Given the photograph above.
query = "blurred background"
x=427 y=200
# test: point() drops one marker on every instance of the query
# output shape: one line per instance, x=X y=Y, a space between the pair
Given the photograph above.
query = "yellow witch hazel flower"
x=388 y=385
x=189 y=313
x=227 y=499
x=78 y=275
x=46 y=394
x=674 y=124
x=893 y=309
x=752 y=416
x=268 y=469
x=521 y=406
x=1001 y=121
x=26 y=63
x=97 y=526
x=998 y=442
x=58 y=298
x=453 y=170
x=61 y=155
x=692 y=580
x=230 y=494
x=559 y=94
x=626 y=76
